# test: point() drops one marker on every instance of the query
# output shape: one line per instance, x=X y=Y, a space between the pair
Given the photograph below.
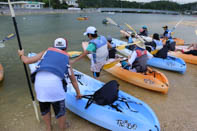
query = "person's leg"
x=193 y=52
x=46 y=114
x=47 y=120
x=96 y=75
x=60 y=110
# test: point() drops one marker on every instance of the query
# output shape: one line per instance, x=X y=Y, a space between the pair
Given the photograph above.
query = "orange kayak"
x=177 y=40
x=152 y=79
x=82 y=18
x=1 y=72
x=192 y=59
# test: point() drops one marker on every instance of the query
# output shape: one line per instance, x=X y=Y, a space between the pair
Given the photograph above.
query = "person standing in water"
x=50 y=84
x=98 y=48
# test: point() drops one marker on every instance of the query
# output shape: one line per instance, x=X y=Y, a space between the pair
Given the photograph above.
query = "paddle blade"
x=111 y=21
x=73 y=54
x=130 y=28
x=107 y=66
x=121 y=47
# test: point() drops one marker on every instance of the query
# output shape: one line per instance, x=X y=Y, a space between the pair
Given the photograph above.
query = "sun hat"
x=60 y=43
x=90 y=30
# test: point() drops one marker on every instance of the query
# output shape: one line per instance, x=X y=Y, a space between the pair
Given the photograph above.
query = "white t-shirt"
x=48 y=87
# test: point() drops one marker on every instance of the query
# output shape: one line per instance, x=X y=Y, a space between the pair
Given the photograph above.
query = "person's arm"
x=79 y=57
x=90 y=48
x=29 y=60
x=109 y=45
x=74 y=83
x=132 y=58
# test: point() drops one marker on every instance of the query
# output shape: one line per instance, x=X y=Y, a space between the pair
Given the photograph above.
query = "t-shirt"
x=48 y=87
x=91 y=47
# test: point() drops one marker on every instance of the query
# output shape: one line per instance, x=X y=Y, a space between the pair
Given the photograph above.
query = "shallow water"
x=176 y=111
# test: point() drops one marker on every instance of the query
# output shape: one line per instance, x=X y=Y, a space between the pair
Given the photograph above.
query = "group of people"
x=55 y=64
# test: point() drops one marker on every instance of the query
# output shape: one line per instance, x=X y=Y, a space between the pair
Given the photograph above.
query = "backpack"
x=106 y=95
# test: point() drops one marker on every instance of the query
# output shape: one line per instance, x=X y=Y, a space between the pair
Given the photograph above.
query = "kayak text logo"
x=125 y=123
x=148 y=81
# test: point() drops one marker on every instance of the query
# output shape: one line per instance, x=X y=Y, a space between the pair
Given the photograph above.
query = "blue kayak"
x=170 y=63
x=135 y=116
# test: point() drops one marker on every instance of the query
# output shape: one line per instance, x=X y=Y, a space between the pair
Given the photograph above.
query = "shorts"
x=58 y=107
x=96 y=74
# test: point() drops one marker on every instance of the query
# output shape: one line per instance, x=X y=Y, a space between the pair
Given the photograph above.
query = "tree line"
x=157 y=5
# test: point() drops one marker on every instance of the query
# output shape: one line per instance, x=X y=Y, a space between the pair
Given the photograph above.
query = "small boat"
x=170 y=63
x=133 y=113
x=152 y=79
x=1 y=73
x=82 y=18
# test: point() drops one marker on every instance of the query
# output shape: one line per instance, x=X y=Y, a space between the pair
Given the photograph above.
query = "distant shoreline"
x=6 y=12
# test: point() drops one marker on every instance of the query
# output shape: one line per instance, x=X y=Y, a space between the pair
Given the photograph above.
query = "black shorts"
x=58 y=107
x=96 y=74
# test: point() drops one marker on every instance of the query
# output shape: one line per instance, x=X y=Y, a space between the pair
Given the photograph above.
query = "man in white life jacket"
x=98 y=48
x=49 y=88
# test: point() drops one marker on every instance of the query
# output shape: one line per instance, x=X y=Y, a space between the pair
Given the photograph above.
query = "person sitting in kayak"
x=132 y=38
x=137 y=60
x=50 y=84
x=192 y=49
x=167 y=33
x=144 y=31
x=98 y=48
x=155 y=45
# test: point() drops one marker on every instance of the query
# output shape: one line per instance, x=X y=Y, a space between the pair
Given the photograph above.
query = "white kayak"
x=135 y=116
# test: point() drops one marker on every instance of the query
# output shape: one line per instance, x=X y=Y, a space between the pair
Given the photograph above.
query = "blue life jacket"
x=101 y=53
x=55 y=61
x=167 y=33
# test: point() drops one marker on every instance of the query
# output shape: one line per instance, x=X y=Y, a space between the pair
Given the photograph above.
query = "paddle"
x=114 y=23
x=9 y=37
x=172 y=33
x=139 y=37
x=121 y=47
x=107 y=66
x=25 y=68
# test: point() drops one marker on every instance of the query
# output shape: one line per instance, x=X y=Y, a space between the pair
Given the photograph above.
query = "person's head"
x=156 y=36
x=109 y=39
x=133 y=35
x=144 y=27
x=91 y=32
x=165 y=27
x=61 y=43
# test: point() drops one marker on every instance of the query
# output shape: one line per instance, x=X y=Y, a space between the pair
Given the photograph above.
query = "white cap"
x=90 y=30
x=60 y=43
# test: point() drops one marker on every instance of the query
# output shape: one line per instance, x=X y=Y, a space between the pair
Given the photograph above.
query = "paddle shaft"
x=25 y=68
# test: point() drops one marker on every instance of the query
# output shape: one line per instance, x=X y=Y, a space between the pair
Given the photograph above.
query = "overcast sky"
x=178 y=1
